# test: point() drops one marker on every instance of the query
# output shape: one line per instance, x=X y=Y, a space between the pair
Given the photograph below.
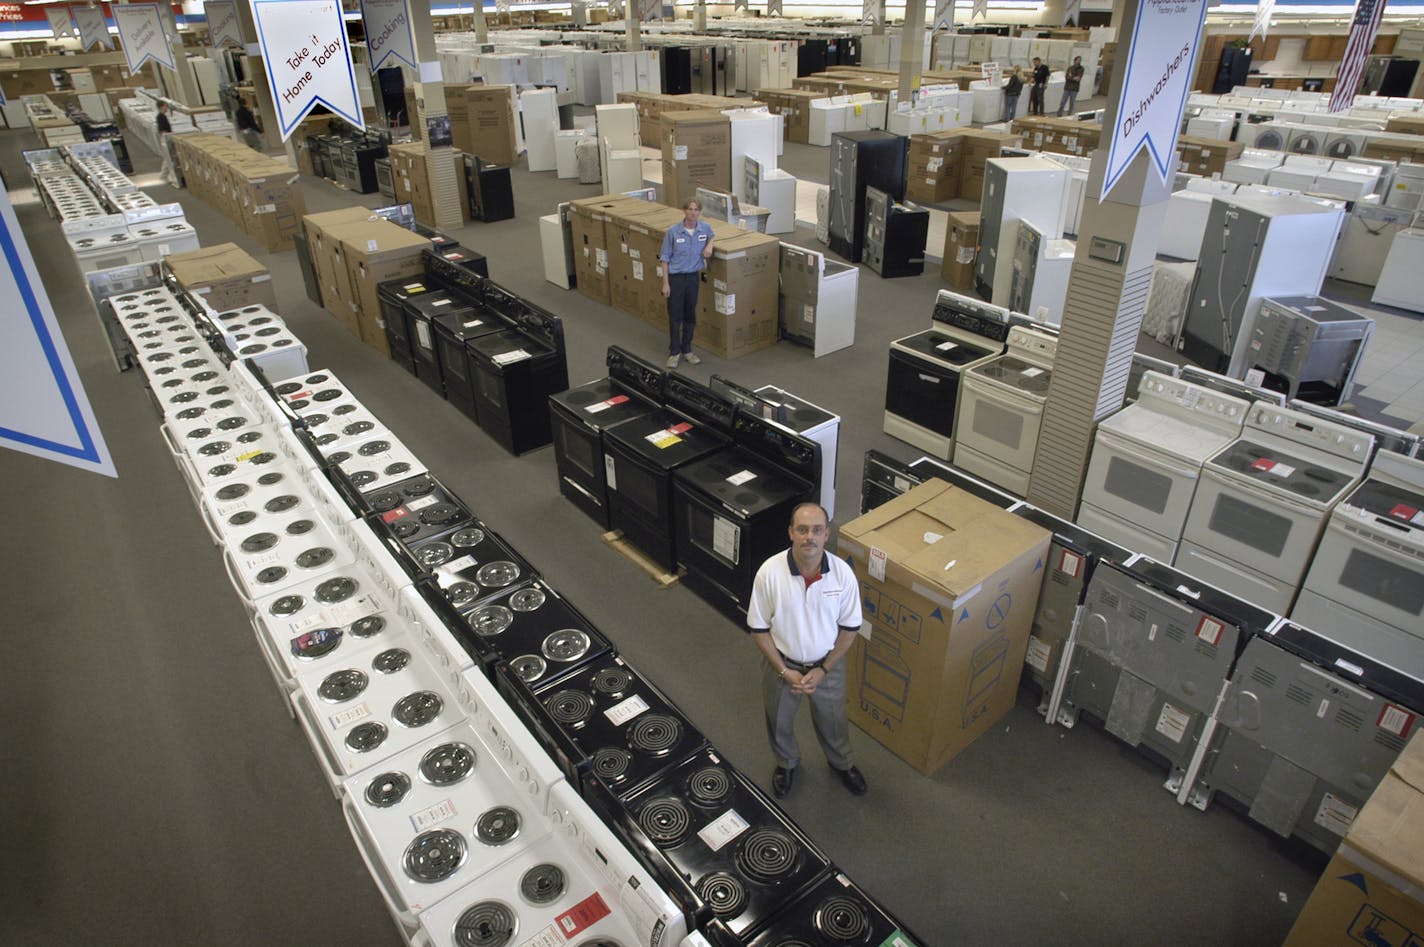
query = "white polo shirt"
x=804 y=622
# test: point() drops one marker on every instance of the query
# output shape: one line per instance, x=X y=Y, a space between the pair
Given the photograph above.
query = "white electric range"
x=265 y=339
x=231 y=507
x=161 y=230
x=1147 y=459
x=176 y=389
x=376 y=461
x=335 y=417
x=1263 y=501
x=102 y=243
x=1001 y=409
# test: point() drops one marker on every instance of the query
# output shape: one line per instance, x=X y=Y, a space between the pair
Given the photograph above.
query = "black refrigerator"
x=1235 y=64
x=860 y=160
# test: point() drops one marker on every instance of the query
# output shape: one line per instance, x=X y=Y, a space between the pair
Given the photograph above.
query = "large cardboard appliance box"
x=934 y=167
x=738 y=301
x=324 y=246
x=376 y=251
x=634 y=270
x=979 y=147
x=489 y=111
x=1405 y=124
x=588 y=218
x=1372 y=891
x=697 y=151
x=949 y=584
x=961 y=245
x=1207 y=156
x=224 y=276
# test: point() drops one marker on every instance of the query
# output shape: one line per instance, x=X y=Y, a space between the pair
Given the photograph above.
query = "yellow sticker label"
x=663 y=443
x=248 y=456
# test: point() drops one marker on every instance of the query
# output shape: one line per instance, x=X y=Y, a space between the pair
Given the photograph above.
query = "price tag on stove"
x=421 y=503
x=432 y=816
x=350 y=715
x=348 y=612
x=1070 y=563
x=722 y=829
x=741 y=477
x=625 y=710
x=606 y=404
x=1404 y=511
x=1396 y=720
x=581 y=916
x=244 y=458
x=1031 y=372
x=1172 y=723
x=610 y=472
x=311 y=621
x=508 y=358
x=457 y=565
x=225 y=510
x=263 y=561
x=946 y=346
x=471 y=323
x=1209 y=630
x=662 y=440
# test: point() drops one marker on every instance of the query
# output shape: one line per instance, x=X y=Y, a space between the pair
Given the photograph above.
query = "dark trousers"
x=1035 y=99
x=682 y=312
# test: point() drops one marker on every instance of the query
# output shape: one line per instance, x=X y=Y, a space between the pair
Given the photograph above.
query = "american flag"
x=1352 y=65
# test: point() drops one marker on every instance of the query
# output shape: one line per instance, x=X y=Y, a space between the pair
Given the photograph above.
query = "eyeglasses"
x=817 y=530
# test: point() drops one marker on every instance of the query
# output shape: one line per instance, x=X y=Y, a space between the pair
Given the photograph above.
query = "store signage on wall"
x=93 y=29
x=141 y=32
x=223 y=27
x=59 y=21
x=1157 y=75
x=43 y=408
x=388 y=32
x=307 y=60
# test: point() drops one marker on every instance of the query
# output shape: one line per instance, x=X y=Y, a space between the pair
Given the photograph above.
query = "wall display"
x=388 y=32
x=307 y=60
x=141 y=32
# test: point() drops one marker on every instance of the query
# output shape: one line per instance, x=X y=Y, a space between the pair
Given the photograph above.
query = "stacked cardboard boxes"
x=935 y=167
x=588 y=219
x=979 y=147
x=652 y=106
x=697 y=151
x=410 y=173
x=1207 y=156
x=961 y=245
x=949 y=584
x=1405 y=124
x=1069 y=136
x=1395 y=149
x=738 y=303
x=482 y=121
x=635 y=274
x=259 y=194
x=224 y=277
x=794 y=106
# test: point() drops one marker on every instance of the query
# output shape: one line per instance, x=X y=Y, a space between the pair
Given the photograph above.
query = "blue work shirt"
x=682 y=251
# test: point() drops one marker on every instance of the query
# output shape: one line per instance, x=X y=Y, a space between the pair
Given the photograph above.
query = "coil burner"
x=655 y=734
x=527 y=600
x=447 y=763
x=842 y=920
x=387 y=789
x=709 y=786
x=335 y=590
x=487 y=924
x=391 y=660
x=490 y=620
x=418 y=709
x=497 y=826
x=613 y=681
x=610 y=763
x=543 y=884
x=723 y=893
x=567 y=644
x=570 y=708
x=529 y=667
x=365 y=737
x=341 y=686
x=767 y=855
x=435 y=855
x=665 y=821
x=368 y=627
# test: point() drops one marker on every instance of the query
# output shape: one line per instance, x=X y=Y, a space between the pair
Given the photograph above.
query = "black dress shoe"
x=782 y=779
x=852 y=779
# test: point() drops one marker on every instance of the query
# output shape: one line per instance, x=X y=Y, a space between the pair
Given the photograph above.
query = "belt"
x=689 y=273
x=800 y=666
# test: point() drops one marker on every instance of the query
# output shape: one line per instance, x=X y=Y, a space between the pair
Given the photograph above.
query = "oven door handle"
x=998 y=393
x=1143 y=457
x=232 y=576
x=366 y=846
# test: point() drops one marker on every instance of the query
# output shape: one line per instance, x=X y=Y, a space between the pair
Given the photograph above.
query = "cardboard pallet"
x=614 y=539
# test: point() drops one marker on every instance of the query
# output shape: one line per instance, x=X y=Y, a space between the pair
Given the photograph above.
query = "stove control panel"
x=1194 y=399
x=1032 y=345
x=1303 y=429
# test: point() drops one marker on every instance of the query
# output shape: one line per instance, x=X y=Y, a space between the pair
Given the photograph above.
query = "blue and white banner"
x=980 y=9
x=1072 y=10
x=59 y=21
x=141 y=32
x=43 y=408
x=93 y=28
x=307 y=60
x=872 y=11
x=1157 y=75
x=1264 y=9
x=223 y=27
x=943 y=16
x=388 y=32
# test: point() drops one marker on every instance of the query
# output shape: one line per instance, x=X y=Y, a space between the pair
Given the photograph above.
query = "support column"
x=633 y=20
x=440 y=169
x=912 y=42
x=1107 y=295
x=481 y=27
x=699 y=16
x=257 y=73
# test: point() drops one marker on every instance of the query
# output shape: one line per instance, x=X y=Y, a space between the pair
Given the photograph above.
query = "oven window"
x=1384 y=581
x=1250 y=525
x=998 y=423
x=491 y=387
x=452 y=359
x=715 y=535
x=1137 y=485
x=576 y=447
x=641 y=488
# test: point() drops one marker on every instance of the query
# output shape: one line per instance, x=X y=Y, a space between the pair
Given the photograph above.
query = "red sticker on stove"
x=583 y=915
x=1403 y=511
x=682 y=428
x=617 y=399
x=398 y=513
x=1070 y=564
x=1263 y=463
x=1209 y=630
x=1396 y=720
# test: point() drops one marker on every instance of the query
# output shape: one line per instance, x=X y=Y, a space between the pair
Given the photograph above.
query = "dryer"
x=1306 y=141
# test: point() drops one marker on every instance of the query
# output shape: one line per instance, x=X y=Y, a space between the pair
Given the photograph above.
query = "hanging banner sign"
x=1072 y=10
x=1264 y=10
x=981 y=8
x=651 y=10
x=739 y=5
x=388 y=32
x=615 y=8
x=773 y=8
x=943 y=16
x=141 y=32
x=93 y=29
x=223 y=28
x=872 y=11
x=307 y=60
x=170 y=23
x=1157 y=76
x=59 y=21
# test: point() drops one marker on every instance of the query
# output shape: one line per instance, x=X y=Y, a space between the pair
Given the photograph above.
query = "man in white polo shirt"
x=803 y=616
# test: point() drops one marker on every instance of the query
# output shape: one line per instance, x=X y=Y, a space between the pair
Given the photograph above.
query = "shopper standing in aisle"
x=803 y=616
x=1040 y=85
x=687 y=246
x=1013 y=88
x=1072 y=82
x=246 y=124
x=165 y=128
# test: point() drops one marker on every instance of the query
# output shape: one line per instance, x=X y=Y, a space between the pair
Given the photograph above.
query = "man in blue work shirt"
x=687 y=246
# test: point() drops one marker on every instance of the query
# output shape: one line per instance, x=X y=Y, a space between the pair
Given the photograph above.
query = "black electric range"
x=453 y=331
x=928 y=468
x=731 y=508
x=835 y=913
x=715 y=842
x=417 y=508
x=394 y=294
x=580 y=415
x=604 y=723
x=515 y=371
x=470 y=563
x=420 y=313
x=642 y=454
x=536 y=631
x=463 y=257
x=883 y=478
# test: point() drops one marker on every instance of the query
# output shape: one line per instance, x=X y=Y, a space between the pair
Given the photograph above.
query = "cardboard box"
x=961 y=244
x=950 y=584
x=587 y=220
x=1372 y=892
x=486 y=126
x=634 y=271
x=737 y=303
x=697 y=151
x=979 y=147
x=376 y=251
x=934 y=167
x=324 y=245
x=1405 y=124
x=224 y=276
x=1207 y=156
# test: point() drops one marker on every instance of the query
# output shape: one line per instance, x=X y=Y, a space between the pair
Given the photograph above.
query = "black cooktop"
x=600 y=404
x=470 y=563
x=1393 y=504
x=742 y=481
x=941 y=347
x=537 y=631
x=834 y=913
x=1015 y=372
x=1278 y=470
x=666 y=438
x=506 y=348
x=418 y=508
x=791 y=411
x=465 y=324
x=711 y=837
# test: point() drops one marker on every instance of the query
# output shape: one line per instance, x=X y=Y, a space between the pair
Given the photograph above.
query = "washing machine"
x=1344 y=144
x=1306 y=141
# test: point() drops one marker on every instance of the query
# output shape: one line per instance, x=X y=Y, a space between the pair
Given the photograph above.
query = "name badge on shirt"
x=702 y=237
x=680 y=239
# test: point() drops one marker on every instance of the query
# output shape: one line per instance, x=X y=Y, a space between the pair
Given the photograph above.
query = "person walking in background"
x=165 y=129
x=1072 y=82
x=1013 y=88
x=803 y=617
x=687 y=246
x=246 y=124
x=1040 y=85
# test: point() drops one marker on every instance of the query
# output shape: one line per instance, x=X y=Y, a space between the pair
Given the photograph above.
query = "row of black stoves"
x=692 y=475
x=350 y=159
x=742 y=871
